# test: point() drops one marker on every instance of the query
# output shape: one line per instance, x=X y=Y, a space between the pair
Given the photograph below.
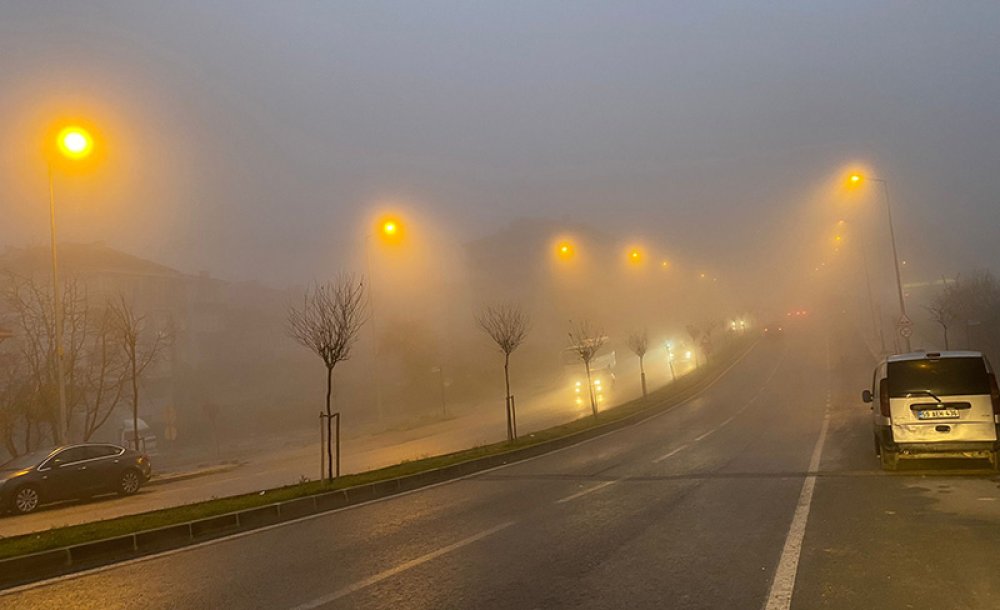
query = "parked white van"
x=934 y=405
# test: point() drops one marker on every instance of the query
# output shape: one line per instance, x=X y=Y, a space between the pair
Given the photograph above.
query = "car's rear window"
x=944 y=377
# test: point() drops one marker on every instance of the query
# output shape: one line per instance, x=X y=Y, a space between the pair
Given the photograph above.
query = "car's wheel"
x=129 y=483
x=888 y=458
x=26 y=499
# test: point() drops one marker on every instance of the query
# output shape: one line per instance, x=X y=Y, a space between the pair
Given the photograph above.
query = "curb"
x=191 y=474
x=25 y=569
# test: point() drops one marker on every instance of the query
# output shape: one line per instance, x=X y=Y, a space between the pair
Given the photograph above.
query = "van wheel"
x=889 y=459
x=994 y=461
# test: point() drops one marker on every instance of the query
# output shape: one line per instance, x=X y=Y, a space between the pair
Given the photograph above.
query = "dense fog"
x=677 y=171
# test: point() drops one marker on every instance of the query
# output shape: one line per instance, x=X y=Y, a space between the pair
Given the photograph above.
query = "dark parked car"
x=69 y=472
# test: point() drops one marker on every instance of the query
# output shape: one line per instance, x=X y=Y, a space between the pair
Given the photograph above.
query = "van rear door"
x=941 y=400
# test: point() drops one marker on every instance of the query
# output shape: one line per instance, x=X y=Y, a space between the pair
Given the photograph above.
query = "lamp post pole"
x=61 y=431
x=895 y=259
x=374 y=327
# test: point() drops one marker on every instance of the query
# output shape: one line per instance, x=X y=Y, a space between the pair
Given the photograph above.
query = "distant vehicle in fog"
x=71 y=472
x=602 y=376
x=772 y=331
x=934 y=405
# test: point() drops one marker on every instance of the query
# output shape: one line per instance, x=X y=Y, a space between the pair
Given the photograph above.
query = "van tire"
x=889 y=459
x=994 y=461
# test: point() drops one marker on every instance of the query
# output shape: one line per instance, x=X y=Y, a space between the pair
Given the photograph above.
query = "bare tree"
x=507 y=324
x=638 y=342
x=106 y=371
x=586 y=341
x=141 y=346
x=974 y=298
x=328 y=324
x=941 y=313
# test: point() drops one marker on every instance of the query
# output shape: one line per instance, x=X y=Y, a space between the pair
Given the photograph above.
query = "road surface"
x=761 y=493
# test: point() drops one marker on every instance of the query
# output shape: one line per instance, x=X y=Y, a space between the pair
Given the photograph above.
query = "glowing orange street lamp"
x=634 y=255
x=391 y=229
x=74 y=143
x=565 y=250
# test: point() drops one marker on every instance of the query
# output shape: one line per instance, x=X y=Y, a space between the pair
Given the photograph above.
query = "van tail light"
x=995 y=394
x=883 y=398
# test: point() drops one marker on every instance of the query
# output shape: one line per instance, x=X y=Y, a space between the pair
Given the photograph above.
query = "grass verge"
x=120 y=526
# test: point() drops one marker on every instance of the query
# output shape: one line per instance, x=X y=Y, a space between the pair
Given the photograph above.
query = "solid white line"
x=114 y=566
x=671 y=454
x=783 y=585
x=371 y=580
x=586 y=491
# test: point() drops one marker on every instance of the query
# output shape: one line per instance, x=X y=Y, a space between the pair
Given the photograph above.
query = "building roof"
x=82 y=259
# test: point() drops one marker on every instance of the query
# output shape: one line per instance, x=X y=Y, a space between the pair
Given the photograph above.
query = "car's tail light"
x=883 y=398
x=995 y=394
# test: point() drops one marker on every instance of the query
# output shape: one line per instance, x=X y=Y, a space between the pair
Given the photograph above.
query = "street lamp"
x=565 y=250
x=390 y=230
x=74 y=143
x=856 y=179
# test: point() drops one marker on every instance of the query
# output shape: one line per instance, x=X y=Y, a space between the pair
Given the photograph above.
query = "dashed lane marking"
x=377 y=578
x=586 y=491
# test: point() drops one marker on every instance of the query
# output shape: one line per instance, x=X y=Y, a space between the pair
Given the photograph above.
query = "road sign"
x=904 y=320
x=906 y=331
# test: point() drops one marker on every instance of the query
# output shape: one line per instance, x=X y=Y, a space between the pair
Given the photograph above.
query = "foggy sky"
x=253 y=139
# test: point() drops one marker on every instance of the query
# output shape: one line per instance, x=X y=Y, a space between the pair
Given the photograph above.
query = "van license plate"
x=938 y=414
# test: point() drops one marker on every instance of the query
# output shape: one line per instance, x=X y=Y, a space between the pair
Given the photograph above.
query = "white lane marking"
x=586 y=491
x=671 y=454
x=371 y=580
x=705 y=435
x=783 y=585
x=729 y=419
x=121 y=564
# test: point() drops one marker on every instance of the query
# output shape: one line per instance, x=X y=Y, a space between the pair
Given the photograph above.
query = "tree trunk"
x=946 y=348
x=506 y=379
x=642 y=376
x=329 y=417
x=135 y=406
x=590 y=388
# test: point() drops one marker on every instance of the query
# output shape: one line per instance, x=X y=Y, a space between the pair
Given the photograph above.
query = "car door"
x=65 y=474
x=103 y=467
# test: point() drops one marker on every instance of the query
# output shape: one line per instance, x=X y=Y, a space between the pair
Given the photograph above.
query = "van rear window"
x=944 y=377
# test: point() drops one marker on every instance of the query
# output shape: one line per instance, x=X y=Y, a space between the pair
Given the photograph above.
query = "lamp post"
x=856 y=179
x=74 y=143
x=391 y=230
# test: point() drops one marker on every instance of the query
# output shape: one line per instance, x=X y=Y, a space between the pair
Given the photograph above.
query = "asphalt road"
x=270 y=469
x=761 y=493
